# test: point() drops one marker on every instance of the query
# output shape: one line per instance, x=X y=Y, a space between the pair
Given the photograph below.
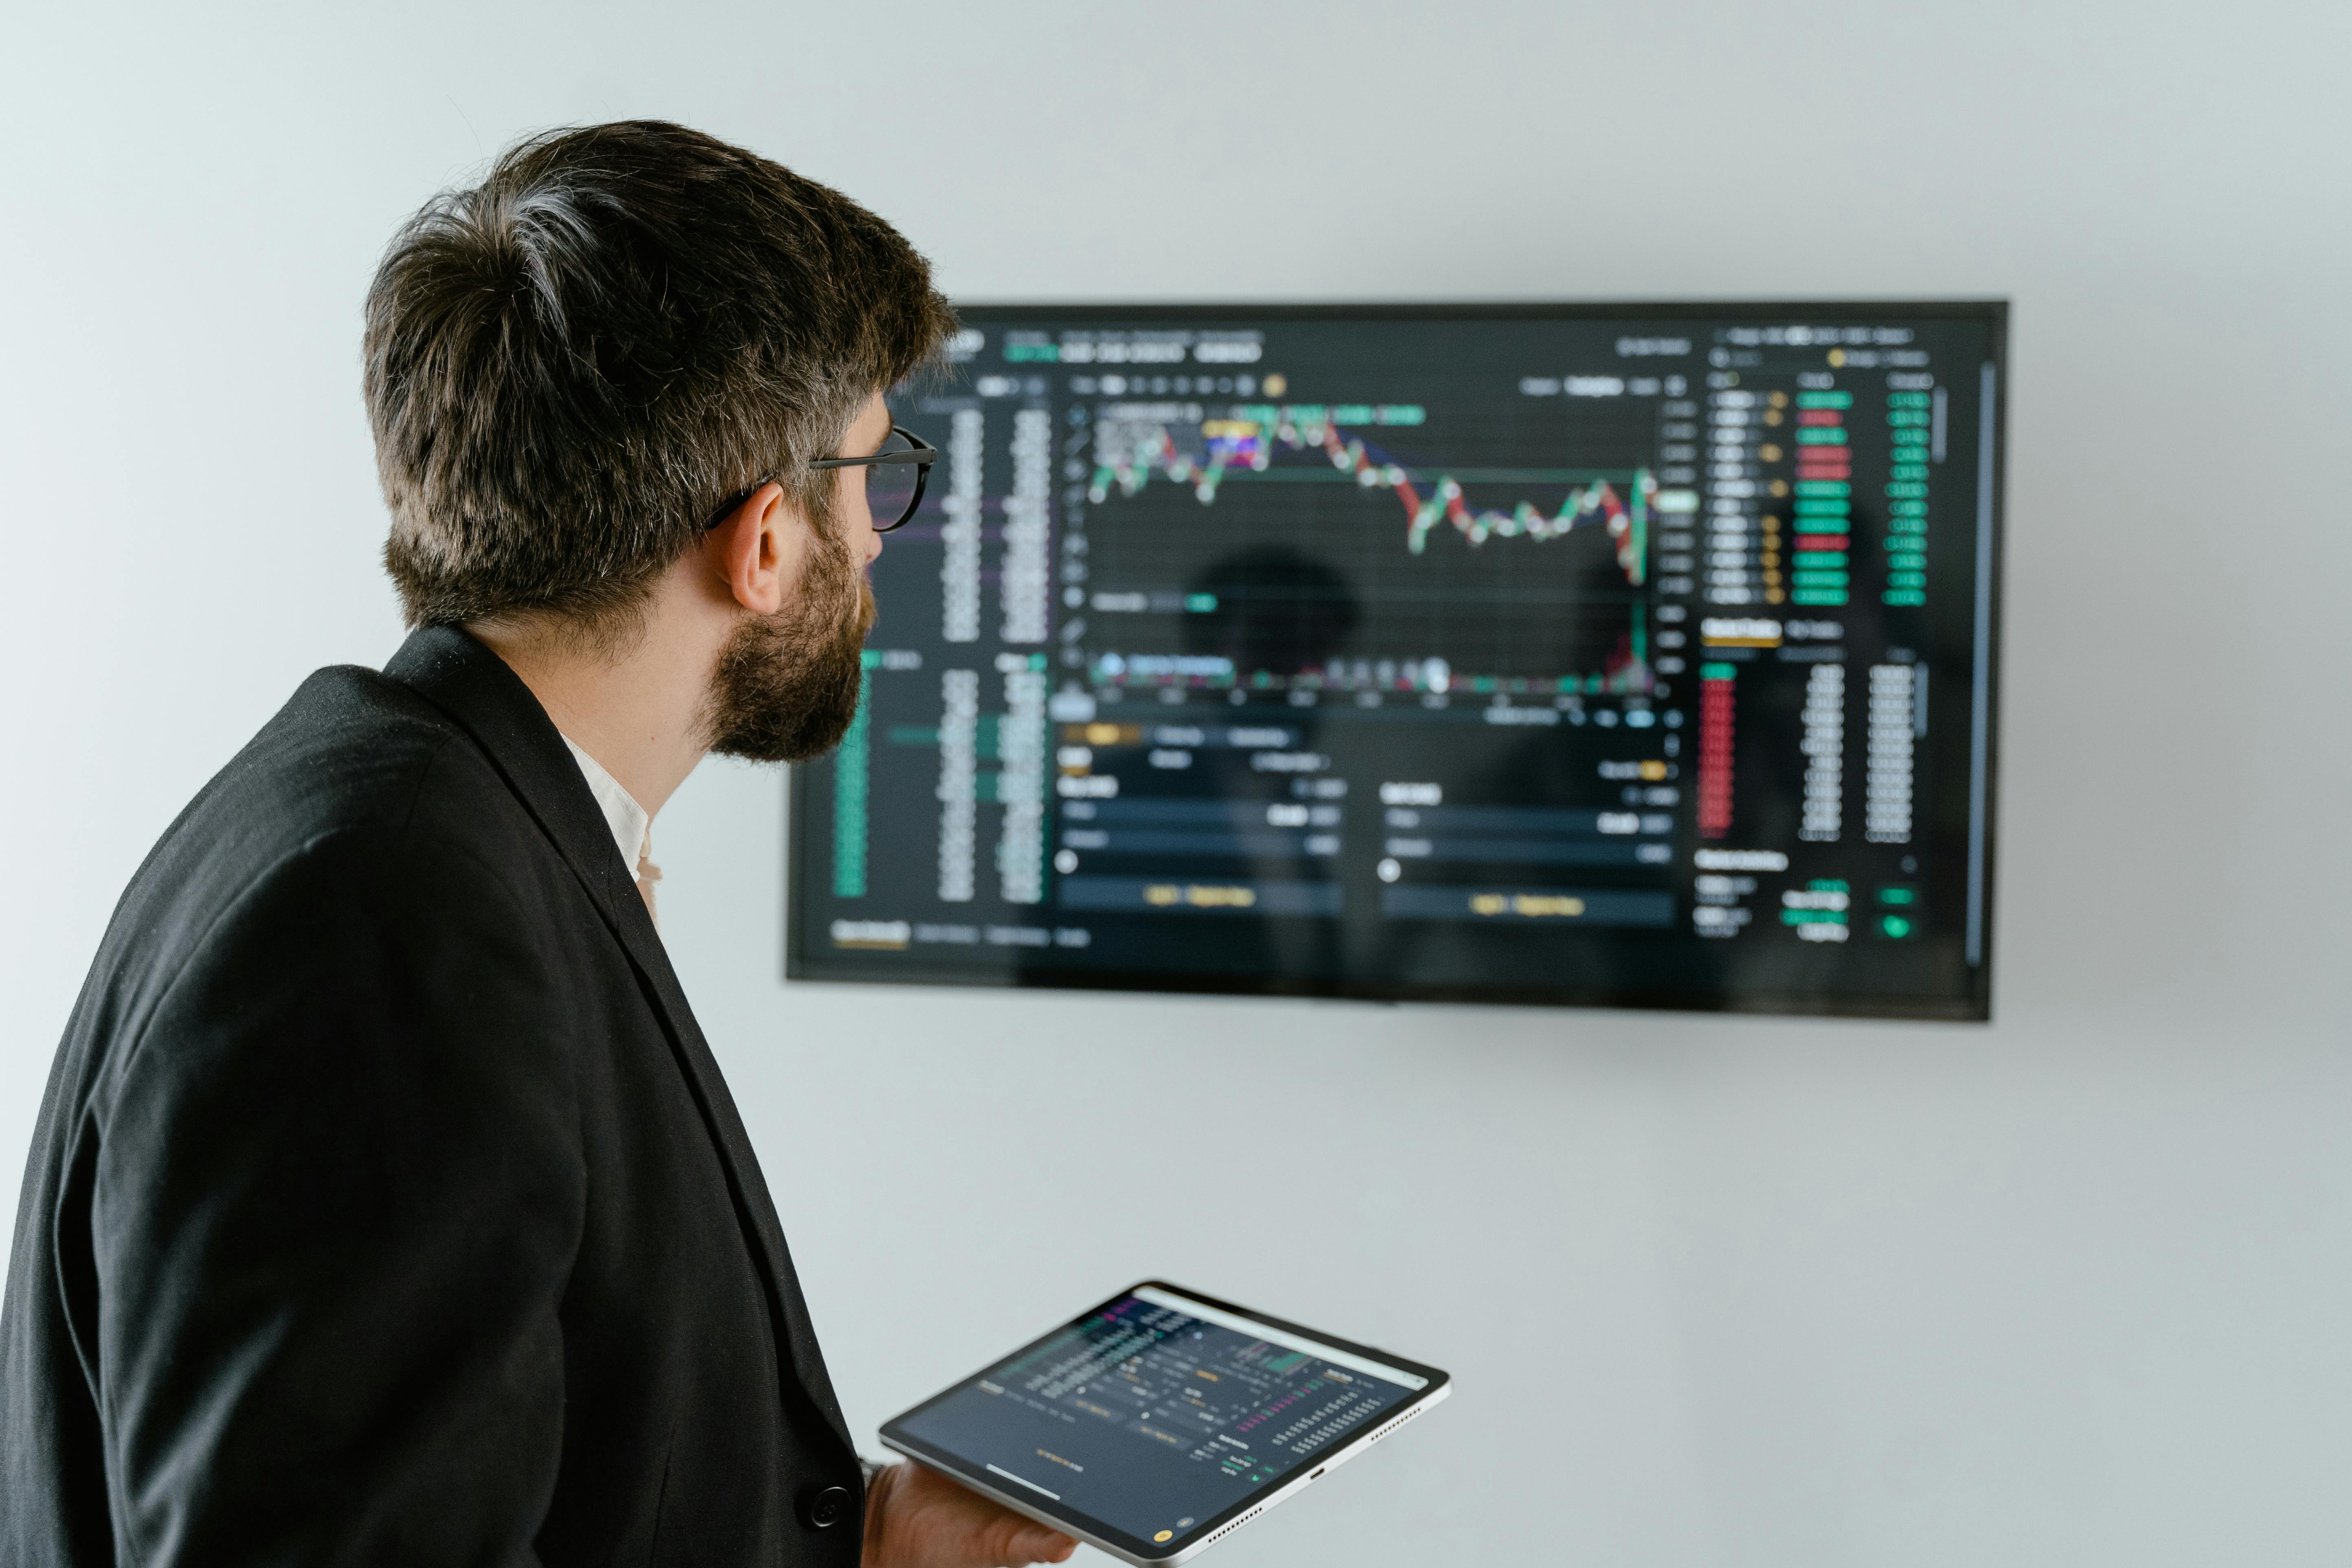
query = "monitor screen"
x=1635 y=655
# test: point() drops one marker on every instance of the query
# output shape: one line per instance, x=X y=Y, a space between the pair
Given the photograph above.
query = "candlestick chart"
x=1135 y=451
x=1304 y=544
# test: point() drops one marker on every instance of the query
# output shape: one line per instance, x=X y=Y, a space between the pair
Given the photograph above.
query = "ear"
x=756 y=552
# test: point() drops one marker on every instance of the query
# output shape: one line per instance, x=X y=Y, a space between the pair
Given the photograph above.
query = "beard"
x=785 y=687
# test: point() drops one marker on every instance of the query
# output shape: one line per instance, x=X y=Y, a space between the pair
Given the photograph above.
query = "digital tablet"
x=1162 y=1420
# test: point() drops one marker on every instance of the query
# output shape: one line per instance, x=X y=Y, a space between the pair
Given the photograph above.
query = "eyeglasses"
x=895 y=477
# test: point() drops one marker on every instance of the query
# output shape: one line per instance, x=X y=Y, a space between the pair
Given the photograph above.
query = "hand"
x=917 y=1518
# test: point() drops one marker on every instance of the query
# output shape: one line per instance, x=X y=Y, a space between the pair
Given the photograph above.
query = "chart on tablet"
x=1149 y=1418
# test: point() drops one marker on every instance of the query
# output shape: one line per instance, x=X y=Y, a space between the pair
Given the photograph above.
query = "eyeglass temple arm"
x=923 y=453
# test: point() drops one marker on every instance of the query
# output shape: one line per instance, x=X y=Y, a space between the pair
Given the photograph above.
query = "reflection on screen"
x=1154 y=1421
x=1568 y=658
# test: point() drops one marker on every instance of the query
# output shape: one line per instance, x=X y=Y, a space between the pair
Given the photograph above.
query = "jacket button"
x=821 y=1507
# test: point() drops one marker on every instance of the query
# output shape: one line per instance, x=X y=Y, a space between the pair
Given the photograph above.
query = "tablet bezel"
x=1134 y=1549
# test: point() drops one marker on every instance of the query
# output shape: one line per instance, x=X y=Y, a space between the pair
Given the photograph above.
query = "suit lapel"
x=474 y=687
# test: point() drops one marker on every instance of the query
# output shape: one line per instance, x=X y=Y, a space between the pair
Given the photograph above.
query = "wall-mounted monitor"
x=1592 y=654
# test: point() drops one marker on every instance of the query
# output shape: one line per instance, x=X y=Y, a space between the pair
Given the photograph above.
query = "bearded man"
x=386 y=1203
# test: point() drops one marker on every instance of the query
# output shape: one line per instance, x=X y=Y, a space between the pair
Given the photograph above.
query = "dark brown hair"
x=572 y=366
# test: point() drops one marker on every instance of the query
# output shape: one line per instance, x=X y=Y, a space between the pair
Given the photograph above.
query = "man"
x=386 y=1203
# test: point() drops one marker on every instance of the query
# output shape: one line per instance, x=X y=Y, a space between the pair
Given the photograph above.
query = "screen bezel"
x=1437 y=1383
x=1974 y=1006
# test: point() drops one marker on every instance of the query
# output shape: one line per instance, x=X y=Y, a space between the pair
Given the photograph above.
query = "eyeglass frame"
x=923 y=455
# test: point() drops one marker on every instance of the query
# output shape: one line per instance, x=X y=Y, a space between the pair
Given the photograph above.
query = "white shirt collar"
x=631 y=824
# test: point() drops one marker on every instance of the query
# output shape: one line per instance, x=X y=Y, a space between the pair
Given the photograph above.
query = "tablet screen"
x=1158 y=1414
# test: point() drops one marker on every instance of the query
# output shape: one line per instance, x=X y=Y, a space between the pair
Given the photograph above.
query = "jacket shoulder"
x=353 y=753
x=356 y=772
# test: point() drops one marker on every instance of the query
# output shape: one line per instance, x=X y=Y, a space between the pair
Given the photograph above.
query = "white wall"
x=2071 y=1289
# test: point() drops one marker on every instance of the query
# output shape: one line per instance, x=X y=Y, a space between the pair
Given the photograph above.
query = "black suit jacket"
x=386 y=1203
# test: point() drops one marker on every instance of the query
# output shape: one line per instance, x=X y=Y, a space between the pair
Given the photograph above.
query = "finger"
x=1040 y=1546
x=1022 y=1545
